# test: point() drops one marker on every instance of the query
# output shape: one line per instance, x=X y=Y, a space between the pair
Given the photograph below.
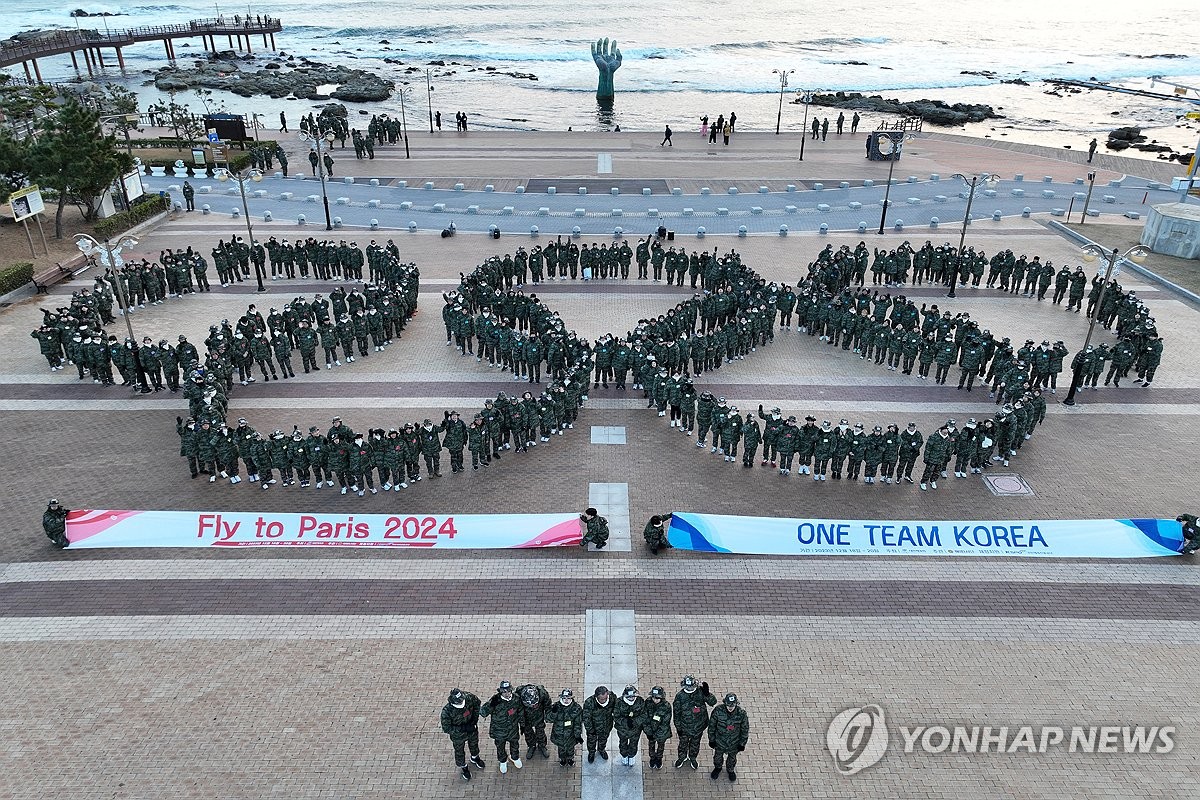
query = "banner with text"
x=1079 y=538
x=96 y=528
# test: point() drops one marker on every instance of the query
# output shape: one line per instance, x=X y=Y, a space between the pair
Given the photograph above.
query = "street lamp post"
x=110 y=259
x=405 y=94
x=429 y=95
x=783 y=82
x=128 y=119
x=1091 y=252
x=1088 y=199
x=972 y=182
x=320 y=144
x=806 y=97
x=889 y=146
x=240 y=178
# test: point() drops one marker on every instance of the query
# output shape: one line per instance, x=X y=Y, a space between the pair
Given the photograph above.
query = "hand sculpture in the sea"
x=607 y=56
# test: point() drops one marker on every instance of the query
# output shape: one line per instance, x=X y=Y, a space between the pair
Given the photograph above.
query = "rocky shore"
x=935 y=112
x=281 y=77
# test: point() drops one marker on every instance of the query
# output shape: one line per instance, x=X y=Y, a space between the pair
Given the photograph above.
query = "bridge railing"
x=17 y=51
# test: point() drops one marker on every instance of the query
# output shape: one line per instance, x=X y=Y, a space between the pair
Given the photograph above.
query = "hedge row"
x=142 y=210
x=14 y=277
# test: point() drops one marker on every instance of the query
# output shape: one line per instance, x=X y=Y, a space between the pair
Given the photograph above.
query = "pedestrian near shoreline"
x=1092 y=149
x=667 y=137
x=704 y=126
x=841 y=120
x=728 y=129
x=437 y=119
x=283 y=128
x=854 y=122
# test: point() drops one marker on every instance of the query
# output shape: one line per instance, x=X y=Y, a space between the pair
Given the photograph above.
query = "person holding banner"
x=595 y=529
x=1191 y=535
x=460 y=721
x=54 y=523
x=656 y=533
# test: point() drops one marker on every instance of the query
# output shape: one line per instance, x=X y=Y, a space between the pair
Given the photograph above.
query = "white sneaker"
x=517 y=763
x=924 y=487
x=404 y=484
x=321 y=484
x=933 y=484
x=343 y=490
x=212 y=478
x=503 y=767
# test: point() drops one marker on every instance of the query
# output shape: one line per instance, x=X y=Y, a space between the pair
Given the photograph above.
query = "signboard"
x=26 y=202
x=198 y=156
x=133 y=185
x=212 y=136
x=1082 y=538
x=105 y=528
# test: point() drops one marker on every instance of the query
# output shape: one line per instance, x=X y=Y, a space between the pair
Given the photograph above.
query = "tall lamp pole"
x=971 y=182
x=321 y=144
x=405 y=94
x=110 y=258
x=783 y=82
x=254 y=176
x=806 y=97
x=1088 y=199
x=889 y=146
x=1091 y=252
x=429 y=95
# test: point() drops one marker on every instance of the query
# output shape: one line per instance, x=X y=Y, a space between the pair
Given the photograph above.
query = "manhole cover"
x=1005 y=485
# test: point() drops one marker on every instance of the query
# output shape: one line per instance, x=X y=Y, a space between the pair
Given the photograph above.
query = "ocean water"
x=685 y=59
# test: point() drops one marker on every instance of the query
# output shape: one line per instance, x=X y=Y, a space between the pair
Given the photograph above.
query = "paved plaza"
x=320 y=672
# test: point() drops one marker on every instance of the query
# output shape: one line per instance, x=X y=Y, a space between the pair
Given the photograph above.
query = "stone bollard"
x=348 y=180
x=507 y=211
x=935 y=177
x=822 y=206
x=374 y=181
x=401 y=184
x=687 y=212
x=996 y=215
x=373 y=203
x=313 y=198
x=519 y=190
x=472 y=209
x=544 y=211
x=337 y=222
x=267 y=217
x=581 y=212
x=899 y=226
x=652 y=212
x=783 y=230
x=817 y=187
x=912 y=178
x=616 y=212
x=278 y=174
x=489 y=188
x=868 y=183
x=458 y=187
x=551 y=190
x=1018 y=177
x=862 y=227
x=700 y=232
x=933 y=222
x=581 y=190
x=412 y=226
x=374 y=224
x=742 y=231
x=1047 y=193
x=1026 y=212
x=756 y=209
x=235 y=212
x=705 y=190
x=722 y=212
x=300 y=220
x=677 y=192
x=1047 y=179
x=731 y=190
x=285 y=196
x=533 y=231
x=428 y=184
x=406 y=205
x=1018 y=192
x=855 y=205
x=647 y=192
x=824 y=229
x=575 y=231
x=618 y=232
x=614 y=191
x=439 y=207
x=844 y=185
x=791 y=187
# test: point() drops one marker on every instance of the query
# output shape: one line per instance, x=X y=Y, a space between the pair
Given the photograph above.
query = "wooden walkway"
x=238 y=30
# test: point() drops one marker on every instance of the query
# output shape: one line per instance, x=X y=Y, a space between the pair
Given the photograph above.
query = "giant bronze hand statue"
x=607 y=56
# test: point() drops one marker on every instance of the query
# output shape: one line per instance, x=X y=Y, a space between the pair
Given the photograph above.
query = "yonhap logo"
x=857 y=738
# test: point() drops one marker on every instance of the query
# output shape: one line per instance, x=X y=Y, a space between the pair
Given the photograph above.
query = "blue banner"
x=1074 y=538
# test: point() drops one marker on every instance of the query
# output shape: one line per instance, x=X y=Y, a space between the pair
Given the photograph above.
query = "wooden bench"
x=42 y=281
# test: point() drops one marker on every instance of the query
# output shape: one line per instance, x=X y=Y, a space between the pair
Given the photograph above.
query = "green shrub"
x=14 y=277
x=143 y=209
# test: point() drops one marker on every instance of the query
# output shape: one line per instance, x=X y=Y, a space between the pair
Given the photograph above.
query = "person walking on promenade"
x=437 y=120
x=283 y=128
x=816 y=128
x=824 y=129
x=704 y=126
x=667 y=137
x=1092 y=149
x=841 y=120
x=726 y=131
x=854 y=122
x=732 y=121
